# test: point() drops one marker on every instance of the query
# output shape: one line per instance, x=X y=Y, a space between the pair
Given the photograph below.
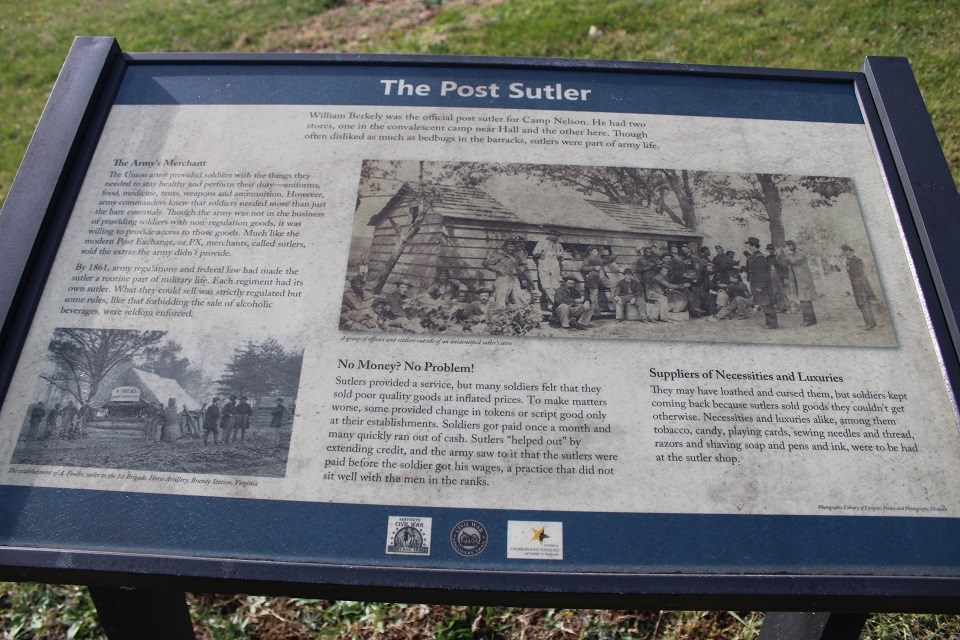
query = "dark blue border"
x=324 y=533
x=628 y=93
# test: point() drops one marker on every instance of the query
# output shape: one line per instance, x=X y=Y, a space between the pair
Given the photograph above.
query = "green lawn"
x=35 y=36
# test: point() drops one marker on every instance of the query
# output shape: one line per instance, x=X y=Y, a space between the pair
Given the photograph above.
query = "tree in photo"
x=428 y=191
x=669 y=192
x=166 y=361
x=681 y=184
x=762 y=194
x=264 y=369
x=84 y=357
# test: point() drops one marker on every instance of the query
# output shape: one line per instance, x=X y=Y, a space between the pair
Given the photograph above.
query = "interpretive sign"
x=525 y=320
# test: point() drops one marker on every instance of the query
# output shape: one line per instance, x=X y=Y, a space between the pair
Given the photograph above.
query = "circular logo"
x=469 y=538
x=407 y=540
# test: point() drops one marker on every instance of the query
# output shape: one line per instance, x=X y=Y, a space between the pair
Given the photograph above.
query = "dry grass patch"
x=353 y=26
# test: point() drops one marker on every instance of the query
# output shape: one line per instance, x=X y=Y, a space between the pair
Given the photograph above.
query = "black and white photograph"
x=612 y=252
x=163 y=401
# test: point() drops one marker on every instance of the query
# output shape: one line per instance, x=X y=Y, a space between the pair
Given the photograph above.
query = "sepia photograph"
x=612 y=252
x=163 y=401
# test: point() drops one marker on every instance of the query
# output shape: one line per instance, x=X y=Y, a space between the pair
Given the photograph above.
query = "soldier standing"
x=759 y=276
x=168 y=417
x=36 y=417
x=862 y=291
x=779 y=271
x=276 y=419
x=187 y=426
x=800 y=282
x=80 y=420
x=549 y=256
x=226 y=418
x=67 y=417
x=242 y=420
x=506 y=268
x=210 y=420
x=52 y=416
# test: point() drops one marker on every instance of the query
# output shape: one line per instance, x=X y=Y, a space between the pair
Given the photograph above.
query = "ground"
x=258 y=456
x=838 y=323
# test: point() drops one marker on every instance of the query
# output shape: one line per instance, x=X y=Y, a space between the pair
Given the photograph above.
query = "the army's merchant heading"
x=515 y=90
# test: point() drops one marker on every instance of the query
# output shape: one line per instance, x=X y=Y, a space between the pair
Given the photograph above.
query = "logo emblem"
x=469 y=538
x=408 y=536
x=534 y=540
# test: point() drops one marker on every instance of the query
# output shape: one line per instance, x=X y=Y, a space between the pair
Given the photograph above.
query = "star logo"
x=539 y=535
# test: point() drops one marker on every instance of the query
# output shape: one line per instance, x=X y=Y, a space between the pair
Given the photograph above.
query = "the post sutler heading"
x=515 y=90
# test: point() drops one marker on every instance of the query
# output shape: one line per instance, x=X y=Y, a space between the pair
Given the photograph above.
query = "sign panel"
x=487 y=317
x=125 y=394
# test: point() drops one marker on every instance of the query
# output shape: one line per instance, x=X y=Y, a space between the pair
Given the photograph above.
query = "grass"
x=35 y=37
x=809 y=35
x=41 y=612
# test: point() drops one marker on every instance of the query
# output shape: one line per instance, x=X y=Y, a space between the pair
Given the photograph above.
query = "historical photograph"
x=612 y=252
x=163 y=401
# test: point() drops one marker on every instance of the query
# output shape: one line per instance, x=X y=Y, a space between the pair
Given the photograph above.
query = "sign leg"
x=794 y=625
x=143 y=614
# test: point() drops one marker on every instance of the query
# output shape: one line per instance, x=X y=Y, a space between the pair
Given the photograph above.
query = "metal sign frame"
x=923 y=193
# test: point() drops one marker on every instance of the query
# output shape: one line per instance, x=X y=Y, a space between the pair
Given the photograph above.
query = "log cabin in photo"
x=455 y=227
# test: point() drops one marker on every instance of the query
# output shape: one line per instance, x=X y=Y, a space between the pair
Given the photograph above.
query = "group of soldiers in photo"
x=229 y=423
x=224 y=424
x=672 y=283
x=65 y=422
x=456 y=305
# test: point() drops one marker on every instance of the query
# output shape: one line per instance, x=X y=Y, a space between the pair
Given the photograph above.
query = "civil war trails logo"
x=469 y=538
x=408 y=535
